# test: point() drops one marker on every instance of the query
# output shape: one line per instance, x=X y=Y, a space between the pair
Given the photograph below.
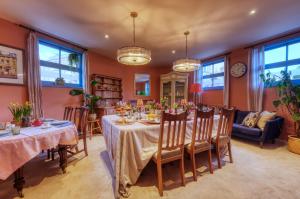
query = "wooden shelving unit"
x=108 y=88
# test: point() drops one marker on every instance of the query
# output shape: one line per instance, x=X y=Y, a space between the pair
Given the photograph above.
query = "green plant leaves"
x=75 y=92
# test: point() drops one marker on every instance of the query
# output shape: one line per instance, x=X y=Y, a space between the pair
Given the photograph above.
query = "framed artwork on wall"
x=11 y=65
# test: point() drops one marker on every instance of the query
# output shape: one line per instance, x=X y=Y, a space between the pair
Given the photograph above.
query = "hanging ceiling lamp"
x=133 y=55
x=186 y=64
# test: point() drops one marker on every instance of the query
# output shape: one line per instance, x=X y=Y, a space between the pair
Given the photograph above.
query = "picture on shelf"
x=11 y=65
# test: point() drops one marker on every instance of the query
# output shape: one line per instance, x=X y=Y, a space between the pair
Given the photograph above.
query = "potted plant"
x=17 y=112
x=90 y=100
x=60 y=81
x=73 y=59
x=26 y=118
x=288 y=94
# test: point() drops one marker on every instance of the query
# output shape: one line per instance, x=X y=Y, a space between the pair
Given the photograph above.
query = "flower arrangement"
x=17 y=112
x=164 y=103
x=27 y=109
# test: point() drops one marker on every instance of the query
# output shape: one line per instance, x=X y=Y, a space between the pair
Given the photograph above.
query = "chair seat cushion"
x=199 y=146
x=223 y=139
x=166 y=154
x=240 y=129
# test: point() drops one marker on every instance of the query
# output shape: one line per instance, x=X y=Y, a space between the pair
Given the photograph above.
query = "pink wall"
x=55 y=99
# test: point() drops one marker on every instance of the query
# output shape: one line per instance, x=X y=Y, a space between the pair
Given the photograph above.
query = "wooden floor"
x=272 y=172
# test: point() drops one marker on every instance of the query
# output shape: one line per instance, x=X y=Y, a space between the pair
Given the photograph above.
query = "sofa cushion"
x=239 y=116
x=264 y=117
x=237 y=128
x=251 y=119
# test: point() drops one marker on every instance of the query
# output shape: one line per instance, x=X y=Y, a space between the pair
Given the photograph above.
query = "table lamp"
x=195 y=89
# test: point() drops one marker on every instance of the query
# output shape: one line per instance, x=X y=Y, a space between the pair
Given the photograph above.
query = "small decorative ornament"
x=238 y=70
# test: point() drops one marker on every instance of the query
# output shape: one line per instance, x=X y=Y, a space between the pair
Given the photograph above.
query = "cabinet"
x=174 y=86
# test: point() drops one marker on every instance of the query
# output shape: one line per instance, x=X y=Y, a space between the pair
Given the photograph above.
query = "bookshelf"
x=108 y=88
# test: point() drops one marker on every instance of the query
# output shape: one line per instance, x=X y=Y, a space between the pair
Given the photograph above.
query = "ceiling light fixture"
x=106 y=36
x=173 y=51
x=186 y=64
x=133 y=55
x=252 y=12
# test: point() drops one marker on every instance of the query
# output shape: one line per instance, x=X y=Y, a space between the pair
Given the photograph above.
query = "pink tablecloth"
x=15 y=151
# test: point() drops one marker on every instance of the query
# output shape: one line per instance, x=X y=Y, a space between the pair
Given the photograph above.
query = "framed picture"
x=11 y=65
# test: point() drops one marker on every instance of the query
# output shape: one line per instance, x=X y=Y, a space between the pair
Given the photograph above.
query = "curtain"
x=255 y=84
x=86 y=80
x=226 y=89
x=34 y=76
x=198 y=79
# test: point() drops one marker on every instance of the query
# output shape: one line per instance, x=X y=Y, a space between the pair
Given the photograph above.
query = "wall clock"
x=238 y=70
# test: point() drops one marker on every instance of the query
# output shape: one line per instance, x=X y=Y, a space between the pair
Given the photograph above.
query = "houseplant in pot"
x=288 y=96
x=26 y=117
x=90 y=100
x=17 y=113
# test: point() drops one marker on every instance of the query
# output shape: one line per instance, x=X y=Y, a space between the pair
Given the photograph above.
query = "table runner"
x=16 y=150
x=131 y=147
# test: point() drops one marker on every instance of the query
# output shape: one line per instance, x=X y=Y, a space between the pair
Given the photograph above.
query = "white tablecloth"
x=16 y=150
x=131 y=147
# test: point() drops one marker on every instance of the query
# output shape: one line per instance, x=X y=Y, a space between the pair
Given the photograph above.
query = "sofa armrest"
x=272 y=129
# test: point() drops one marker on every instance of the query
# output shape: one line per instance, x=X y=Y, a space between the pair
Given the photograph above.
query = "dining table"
x=17 y=150
x=131 y=146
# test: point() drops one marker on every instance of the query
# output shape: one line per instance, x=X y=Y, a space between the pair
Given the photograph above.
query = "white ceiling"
x=215 y=25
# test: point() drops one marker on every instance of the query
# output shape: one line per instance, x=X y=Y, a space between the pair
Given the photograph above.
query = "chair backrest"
x=68 y=113
x=80 y=118
x=225 y=122
x=202 y=126
x=175 y=135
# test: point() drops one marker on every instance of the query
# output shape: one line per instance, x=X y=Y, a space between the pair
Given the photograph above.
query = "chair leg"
x=182 y=170
x=218 y=156
x=209 y=162
x=48 y=153
x=229 y=150
x=159 y=179
x=193 y=166
x=52 y=153
x=85 y=146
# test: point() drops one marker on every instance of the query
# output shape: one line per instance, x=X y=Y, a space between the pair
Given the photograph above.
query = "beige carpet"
x=272 y=172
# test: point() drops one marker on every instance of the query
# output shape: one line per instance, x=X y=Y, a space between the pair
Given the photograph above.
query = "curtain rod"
x=52 y=36
x=216 y=56
x=274 y=38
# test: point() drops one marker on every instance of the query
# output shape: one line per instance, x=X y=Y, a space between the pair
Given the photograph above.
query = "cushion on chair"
x=165 y=154
x=223 y=139
x=240 y=129
x=199 y=146
x=264 y=117
x=251 y=119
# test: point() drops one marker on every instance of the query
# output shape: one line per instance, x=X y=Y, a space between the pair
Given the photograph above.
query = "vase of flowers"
x=26 y=117
x=17 y=113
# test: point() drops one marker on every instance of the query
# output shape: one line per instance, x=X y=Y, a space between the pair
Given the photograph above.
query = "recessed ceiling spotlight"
x=173 y=51
x=252 y=12
x=106 y=36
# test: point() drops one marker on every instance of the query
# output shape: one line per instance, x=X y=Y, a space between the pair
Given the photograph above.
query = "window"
x=212 y=75
x=54 y=63
x=283 y=56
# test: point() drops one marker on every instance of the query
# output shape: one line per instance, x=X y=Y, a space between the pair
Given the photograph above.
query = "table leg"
x=19 y=181
x=62 y=151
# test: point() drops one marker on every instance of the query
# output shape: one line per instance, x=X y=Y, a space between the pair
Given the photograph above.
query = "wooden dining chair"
x=81 y=121
x=79 y=118
x=170 y=144
x=223 y=137
x=201 y=137
x=68 y=113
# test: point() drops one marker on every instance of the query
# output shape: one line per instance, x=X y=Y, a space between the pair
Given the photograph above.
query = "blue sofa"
x=271 y=131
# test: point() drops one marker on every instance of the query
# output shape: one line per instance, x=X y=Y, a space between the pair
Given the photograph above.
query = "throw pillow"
x=265 y=116
x=251 y=119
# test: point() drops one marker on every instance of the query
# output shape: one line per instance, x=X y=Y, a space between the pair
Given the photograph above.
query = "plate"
x=4 y=132
x=45 y=127
x=151 y=121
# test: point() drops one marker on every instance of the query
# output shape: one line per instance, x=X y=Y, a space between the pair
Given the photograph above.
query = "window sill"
x=53 y=85
x=213 y=88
